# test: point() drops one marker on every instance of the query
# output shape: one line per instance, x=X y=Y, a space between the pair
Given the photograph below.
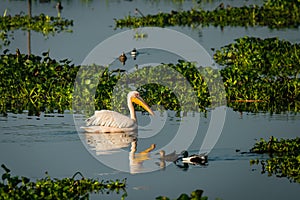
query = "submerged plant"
x=284 y=158
x=15 y=187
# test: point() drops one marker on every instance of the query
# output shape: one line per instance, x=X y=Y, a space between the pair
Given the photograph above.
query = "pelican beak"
x=141 y=102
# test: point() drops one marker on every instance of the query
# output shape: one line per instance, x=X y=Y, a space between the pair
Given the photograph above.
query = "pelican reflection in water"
x=113 y=122
x=106 y=144
x=110 y=144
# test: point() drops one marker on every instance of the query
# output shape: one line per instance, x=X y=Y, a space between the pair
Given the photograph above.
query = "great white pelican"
x=107 y=121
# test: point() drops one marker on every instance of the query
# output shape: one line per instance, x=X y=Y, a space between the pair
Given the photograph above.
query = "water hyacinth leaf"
x=5 y=168
x=284 y=157
x=40 y=23
x=47 y=188
x=273 y=15
x=253 y=83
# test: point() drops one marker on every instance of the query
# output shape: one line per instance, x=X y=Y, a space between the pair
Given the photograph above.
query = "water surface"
x=30 y=146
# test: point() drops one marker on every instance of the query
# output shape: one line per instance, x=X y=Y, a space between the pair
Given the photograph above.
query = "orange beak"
x=141 y=102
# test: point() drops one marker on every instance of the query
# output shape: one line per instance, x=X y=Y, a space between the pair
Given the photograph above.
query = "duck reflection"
x=172 y=157
x=106 y=144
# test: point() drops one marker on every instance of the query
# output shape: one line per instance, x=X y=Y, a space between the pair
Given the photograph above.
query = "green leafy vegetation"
x=284 y=158
x=175 y=92
x=195 y=195
x=273 y=14
x=265 y=71
x=35 y=83
x=15 y=187
x=42 y=23
x=257 y=75
x=41 y=84
x=183 y=87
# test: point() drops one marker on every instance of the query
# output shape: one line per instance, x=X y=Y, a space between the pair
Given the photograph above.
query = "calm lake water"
x=30 y=146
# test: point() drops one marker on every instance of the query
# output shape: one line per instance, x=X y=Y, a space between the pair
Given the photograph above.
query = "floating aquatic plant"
x=15 y=187
x=182 y=86
x=284 y=158
x=176 y=92
x=257 y=74
x=273 y=14
x=35 y=83
x=265 y=71
x=42 y=23
x=195 y=195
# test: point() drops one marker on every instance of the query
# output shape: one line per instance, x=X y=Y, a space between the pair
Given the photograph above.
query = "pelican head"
x=135 y=97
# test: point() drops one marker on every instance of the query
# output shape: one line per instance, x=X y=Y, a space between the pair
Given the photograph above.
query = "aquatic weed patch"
x=257 y=74
x=263 y=70
x=15 y=187
x=112 y=81
x=41 y=84
x=175 y=90
x=35 y=83
x=94 y=87
x=42 y=23
x=284 y=158
x=195 y=195
x=273 y=14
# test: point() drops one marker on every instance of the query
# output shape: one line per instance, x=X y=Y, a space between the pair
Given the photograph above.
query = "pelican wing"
x=109 y=118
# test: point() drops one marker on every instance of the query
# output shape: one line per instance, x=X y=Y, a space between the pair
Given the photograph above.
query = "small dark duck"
x=122 y=58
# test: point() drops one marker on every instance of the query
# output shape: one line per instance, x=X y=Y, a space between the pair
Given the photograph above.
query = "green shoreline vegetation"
x=15 y=187
x=273 y=14
x=284 y=157
x=42 y=23
x=35 y=83
x=259 y=75
x=263 y=70
x=195 y=195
